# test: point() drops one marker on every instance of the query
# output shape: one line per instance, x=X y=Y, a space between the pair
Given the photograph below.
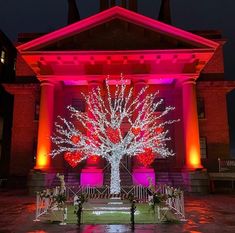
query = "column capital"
x=94 y=82
x=140 y=82
x=47 y=83
x=191 y=79
x=188 y=81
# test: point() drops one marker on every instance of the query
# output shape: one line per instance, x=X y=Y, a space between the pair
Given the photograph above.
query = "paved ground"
x=210 y=214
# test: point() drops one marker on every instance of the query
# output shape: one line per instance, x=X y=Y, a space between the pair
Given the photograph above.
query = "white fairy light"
x=110 y=113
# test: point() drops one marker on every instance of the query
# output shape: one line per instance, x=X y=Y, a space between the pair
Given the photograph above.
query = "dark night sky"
x=48 y=15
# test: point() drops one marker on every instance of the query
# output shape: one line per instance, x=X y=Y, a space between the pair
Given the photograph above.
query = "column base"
x=39 y=180
x=93 y=177
x=143 y=176
x=196 y=181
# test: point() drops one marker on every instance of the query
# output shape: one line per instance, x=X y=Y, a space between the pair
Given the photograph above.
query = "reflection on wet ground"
x=210 y=214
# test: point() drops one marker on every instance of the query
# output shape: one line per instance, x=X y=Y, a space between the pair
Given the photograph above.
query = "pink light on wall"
x=92 y=177
x=143 y=176
x=161 y=81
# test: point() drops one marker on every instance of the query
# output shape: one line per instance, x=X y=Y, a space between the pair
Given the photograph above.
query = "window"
x=160 y=107
x=201 y=108
x=203 y=147
x=79 y=105
x=3 y=57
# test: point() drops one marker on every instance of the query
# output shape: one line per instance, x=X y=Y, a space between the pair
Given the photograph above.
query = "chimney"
x=73 y=14
x=165 y=12
x=133 y=5
x=124 y=3
x=104 y=5
x=112 y=3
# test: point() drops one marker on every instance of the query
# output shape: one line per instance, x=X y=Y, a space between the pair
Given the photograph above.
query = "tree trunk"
x=115 y=186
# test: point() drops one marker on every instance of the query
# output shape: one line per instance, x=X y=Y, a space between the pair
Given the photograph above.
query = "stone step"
x=111 y=204
x=116 y=200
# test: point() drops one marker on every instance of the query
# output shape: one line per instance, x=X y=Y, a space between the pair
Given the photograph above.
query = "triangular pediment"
x=117 y=29
x=118 y=34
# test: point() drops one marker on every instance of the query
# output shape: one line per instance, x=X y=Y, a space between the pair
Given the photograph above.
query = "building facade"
x=7 y=75
x=185 y=67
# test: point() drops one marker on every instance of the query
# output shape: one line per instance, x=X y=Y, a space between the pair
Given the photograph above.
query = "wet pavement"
x=210 y=213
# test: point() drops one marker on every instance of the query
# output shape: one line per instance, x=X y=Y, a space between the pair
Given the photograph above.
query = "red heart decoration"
x=159 y=130
x=113 y=135
x=73 y=159
x=75 y=139
x=146 y=158
x=135 y=131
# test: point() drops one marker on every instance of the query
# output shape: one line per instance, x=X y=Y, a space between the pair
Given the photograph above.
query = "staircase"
x=112 y=204
x=170 y=178
x=71 y=179
x=174 y=179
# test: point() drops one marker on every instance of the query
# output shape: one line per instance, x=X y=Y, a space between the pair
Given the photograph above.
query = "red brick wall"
x=22 y=69
x=215 y=125
x=24 y=130
x=216 y=64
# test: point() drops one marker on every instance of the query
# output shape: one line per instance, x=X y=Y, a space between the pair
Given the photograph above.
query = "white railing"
x=226 y=165
x=139 y=192
x=72 y=191
x=174 y=200
x=45 y=201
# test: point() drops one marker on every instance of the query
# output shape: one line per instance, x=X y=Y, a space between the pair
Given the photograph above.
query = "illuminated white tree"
x=104 y=136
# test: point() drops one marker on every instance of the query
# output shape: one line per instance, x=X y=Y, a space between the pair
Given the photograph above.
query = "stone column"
x=92 y=173
x=191 y=129
x=43 y=175
x=141 y=175
x=45 y=126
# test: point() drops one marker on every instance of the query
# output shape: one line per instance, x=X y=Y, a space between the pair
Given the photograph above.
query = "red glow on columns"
x=45 y=126
x=191 y=129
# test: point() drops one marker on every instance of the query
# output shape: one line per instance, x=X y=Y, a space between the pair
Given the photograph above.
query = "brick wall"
x=215 y=125
x=216 y=64
x=24 y=130
x=22 y=69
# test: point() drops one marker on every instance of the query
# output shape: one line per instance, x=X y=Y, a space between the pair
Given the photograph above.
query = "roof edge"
x=121 y=13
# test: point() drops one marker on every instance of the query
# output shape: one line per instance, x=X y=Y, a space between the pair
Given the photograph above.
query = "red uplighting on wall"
x=93 y=159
